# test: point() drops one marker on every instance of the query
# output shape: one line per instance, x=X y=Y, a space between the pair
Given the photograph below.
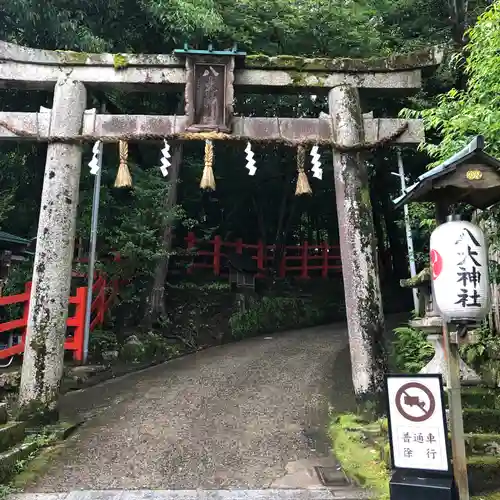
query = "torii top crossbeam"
x=24 y=67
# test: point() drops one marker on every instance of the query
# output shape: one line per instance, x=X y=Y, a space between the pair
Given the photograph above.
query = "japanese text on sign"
x=417 y=427
x=469 y=270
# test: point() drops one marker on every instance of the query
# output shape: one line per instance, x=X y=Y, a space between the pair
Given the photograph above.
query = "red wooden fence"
x=103 y=294
x=299 y=260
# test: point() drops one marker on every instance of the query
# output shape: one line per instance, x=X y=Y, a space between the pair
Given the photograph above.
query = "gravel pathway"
x=247 y=415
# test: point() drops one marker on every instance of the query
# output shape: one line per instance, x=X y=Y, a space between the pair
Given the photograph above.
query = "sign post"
x=418 y=437
x=456 y=418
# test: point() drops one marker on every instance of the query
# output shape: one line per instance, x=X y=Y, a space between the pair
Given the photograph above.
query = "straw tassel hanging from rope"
x=123 y=178
x=303 y=186
x=208 y=179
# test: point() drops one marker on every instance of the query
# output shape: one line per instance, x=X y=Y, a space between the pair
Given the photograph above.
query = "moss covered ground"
x=362 y=447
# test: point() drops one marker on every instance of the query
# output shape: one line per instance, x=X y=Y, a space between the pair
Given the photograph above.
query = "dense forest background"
x=136 y=221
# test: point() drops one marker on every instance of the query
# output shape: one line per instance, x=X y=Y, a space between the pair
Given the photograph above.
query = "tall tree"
x=459 y=115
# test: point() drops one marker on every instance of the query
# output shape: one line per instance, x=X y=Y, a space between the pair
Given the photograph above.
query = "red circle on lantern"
x=436 y=263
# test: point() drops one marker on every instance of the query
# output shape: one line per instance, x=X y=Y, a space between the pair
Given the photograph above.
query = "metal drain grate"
x=331 y=476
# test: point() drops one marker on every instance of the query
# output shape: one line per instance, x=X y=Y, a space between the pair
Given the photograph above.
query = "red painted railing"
x=104 y=293
x=74 y=341
x=299 y=260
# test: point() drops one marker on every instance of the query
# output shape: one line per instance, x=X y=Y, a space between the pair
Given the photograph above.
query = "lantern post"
x=92 y=250
x=96 y=170
x=459 y=266
x=456 y=416
x=459 y=262
x=409 y=238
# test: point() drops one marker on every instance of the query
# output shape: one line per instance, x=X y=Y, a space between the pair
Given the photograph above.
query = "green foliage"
x=411 y=350
x=271 y=314
x=477 y=354
x=18 y=276
x=358 y=458
x=459 y=115
x=185 y=16
x=156 y=347
x=101 y=341
x=197 y=314
x=133 y=352
x=15 y=284
x=210 y=286
x=6 y=490
x=6 y=204
x=325 y=27
x=147 y=347
x=484 y=355
x=133 y=222
x=41 y=446
x=423 y=219
x=107 y=25
x=120 y=61
x=40 y=441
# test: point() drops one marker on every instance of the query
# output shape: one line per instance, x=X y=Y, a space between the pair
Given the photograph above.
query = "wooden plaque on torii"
x=209 y=90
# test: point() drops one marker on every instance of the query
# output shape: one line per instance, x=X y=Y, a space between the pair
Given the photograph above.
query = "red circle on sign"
x=436 y=264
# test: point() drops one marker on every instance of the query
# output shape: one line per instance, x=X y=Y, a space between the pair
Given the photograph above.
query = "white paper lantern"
x=459 y=264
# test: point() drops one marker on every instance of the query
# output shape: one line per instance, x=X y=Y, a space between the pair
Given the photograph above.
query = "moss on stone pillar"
x=365 y=319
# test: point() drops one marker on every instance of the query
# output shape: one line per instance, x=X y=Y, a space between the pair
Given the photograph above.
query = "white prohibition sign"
x=416 y=423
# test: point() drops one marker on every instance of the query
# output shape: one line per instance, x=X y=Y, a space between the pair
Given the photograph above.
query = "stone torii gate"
x=68 y=125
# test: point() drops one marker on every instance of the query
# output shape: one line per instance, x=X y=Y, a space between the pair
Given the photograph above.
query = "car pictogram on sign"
x=415 y=402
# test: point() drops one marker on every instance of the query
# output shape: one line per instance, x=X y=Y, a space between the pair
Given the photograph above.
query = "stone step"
x=479 y=397
x=9 y=458
x=481 y=420
x=484 y=474
x=233 y=494
x=11 y=433
x=4 y=413
x=482 y=444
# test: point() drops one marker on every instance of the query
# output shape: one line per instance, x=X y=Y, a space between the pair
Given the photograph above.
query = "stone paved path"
x=248 y=415
x=268 y=494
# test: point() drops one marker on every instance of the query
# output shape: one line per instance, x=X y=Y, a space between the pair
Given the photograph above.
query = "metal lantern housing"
x=471 y=176
x=459 y=264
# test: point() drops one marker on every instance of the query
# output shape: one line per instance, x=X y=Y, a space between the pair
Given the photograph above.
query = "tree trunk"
x=257 y=205
x=156 y=309
x=310 y=227
x=458 y=19
x=44 y=349
x=278 y=252
x=381 y=253
x=288 y=225
x=365 y=318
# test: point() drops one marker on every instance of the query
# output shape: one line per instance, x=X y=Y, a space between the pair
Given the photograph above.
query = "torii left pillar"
x=44 y=348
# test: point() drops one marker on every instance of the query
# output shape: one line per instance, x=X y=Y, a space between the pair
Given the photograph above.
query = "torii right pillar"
x=365 y=317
